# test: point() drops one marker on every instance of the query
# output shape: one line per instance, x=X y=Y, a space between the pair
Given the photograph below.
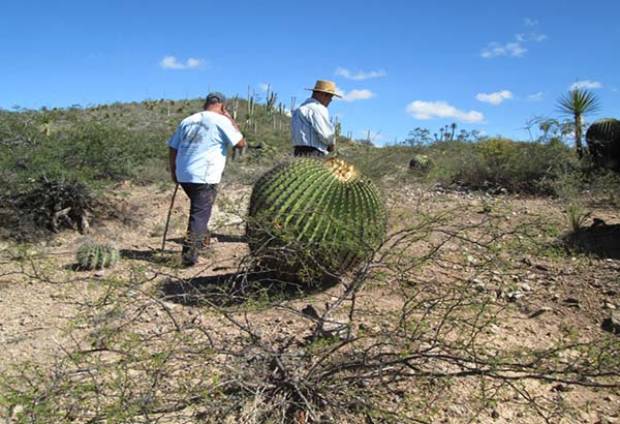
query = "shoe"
x=189 y=256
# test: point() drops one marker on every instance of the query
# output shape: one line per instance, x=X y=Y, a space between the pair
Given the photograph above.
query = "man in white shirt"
x=312 y=133
x=197 y=153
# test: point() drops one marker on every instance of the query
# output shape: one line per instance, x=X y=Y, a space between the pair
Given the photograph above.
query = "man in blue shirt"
x=197 y=153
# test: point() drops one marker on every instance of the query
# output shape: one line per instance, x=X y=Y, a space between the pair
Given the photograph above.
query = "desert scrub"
x=56 y=203
x=500 y=164
x=313 y=217
x=92 y=255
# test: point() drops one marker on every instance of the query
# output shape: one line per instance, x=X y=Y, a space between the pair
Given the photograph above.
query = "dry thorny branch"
x=399 y=340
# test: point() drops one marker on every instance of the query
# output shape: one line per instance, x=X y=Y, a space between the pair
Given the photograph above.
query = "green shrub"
x=500 y=164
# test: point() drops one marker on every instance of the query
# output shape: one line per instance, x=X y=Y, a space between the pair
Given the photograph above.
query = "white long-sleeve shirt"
x=310 y=126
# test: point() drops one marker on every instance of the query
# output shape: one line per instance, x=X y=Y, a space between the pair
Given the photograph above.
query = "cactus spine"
x=314 y=217
x=91 y=255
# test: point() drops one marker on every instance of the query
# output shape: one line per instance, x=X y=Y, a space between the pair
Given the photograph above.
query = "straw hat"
x=324 y=86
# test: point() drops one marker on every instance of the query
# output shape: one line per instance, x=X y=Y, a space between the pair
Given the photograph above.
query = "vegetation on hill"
x=93 y=147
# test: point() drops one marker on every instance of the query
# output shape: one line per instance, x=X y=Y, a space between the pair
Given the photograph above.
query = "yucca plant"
x=92 y=255
x=578 y=102
x=310 y=218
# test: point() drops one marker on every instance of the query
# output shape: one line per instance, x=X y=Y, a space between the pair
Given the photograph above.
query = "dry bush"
x=404 y=338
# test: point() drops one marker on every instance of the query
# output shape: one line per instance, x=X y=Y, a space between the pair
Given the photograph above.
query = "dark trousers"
x=201 y=198
x=307 y=151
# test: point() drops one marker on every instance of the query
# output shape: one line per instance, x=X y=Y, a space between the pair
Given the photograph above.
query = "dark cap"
x=215 y=97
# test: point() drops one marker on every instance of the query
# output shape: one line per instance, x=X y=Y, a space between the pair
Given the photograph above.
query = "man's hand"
x=241 y=144
x=225 y=112
x=228 y=115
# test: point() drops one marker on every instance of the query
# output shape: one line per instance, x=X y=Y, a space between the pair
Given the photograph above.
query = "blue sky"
x=487 y=65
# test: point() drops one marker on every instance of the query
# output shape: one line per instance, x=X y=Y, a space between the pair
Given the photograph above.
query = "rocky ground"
x=504 y=248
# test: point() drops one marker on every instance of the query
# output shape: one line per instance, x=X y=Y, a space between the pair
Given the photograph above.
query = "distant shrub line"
x=109 y=143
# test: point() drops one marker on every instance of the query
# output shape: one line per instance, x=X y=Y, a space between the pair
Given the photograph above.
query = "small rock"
x=612 y=324
x=572 y=302
x=310 y=312
x=478 y=285
x=561 y=388
x=17 y=411
x=540 y=311
x=514 y=296
x=525 y=287
x=458 y=410
x=609 y=305
x=99 y=274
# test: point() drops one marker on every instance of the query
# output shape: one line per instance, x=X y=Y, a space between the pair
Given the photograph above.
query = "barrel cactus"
x=603 y=139
x=91 y=255
x=313 y=218
x=420 y=163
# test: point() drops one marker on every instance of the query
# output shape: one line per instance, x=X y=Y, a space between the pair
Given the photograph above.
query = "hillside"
x=493 y=299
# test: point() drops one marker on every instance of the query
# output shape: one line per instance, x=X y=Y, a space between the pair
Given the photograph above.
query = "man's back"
x=310 y=126
x=202 y=142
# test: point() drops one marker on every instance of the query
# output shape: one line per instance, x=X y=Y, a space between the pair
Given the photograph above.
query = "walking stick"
x=174 y=194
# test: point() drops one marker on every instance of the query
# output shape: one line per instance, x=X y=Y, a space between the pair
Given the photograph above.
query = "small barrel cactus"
x=91 y=255
x=310 y=218
x=420 y=163
x=603 y=139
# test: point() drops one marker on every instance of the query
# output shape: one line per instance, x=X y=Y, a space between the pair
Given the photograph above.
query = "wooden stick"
x=174 y=194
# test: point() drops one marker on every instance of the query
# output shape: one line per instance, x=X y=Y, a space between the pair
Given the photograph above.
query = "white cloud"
x=359 y=75
x=263 y=86
x=354 y=95
x=428 y=110
x=587 y=84
x=171 y=62
x=513 y=49
x=532 y=36
x=495 y=98
x=517 y=47
x=536 y=97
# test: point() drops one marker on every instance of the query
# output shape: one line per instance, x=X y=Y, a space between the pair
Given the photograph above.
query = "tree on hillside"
x=575 y=104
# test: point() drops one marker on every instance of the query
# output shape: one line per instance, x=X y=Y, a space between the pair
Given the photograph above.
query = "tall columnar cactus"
x=603 y=139
x=315 y=217
x=91 y=255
